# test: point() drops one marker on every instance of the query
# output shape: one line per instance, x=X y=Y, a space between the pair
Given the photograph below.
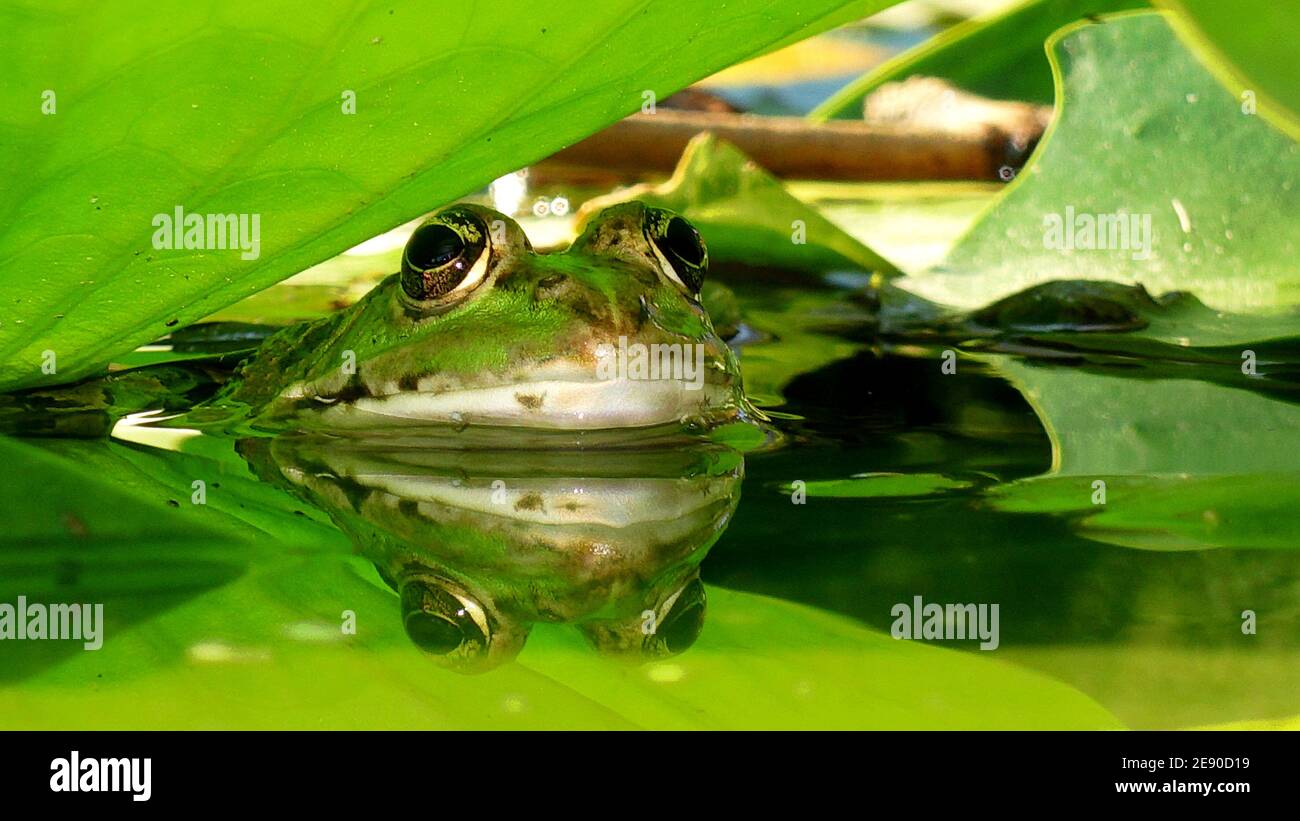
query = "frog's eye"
x=446 y=256
x=678 y=247
x=443 y=623
x=680 y=624
x=665 y=629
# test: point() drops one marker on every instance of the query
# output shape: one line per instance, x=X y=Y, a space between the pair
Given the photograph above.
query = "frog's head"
x=479 y=329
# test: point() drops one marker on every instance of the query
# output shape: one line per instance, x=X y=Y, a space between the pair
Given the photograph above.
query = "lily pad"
x=1250 y=45
x=1146 y=139
x=329 y=124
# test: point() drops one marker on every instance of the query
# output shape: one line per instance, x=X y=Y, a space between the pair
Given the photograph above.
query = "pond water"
x=1123 y=528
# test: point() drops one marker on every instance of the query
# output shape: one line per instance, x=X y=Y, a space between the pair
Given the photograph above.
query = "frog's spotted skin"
x=503 y=336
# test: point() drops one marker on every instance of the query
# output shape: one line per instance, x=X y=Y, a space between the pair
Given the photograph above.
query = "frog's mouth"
x=558 y=396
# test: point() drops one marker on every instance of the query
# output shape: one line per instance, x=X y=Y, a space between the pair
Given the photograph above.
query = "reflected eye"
x=679 y=248
x=684 y=620
x=441 y=623
x=445 y=256
x=665 y=629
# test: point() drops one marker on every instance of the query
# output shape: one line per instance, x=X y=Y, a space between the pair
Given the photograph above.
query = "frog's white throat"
x=560 y=395
x=550 y=403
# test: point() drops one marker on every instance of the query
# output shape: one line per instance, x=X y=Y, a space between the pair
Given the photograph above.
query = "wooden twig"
x=792 y=147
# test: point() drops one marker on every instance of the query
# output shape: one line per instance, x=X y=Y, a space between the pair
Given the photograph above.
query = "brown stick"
x=794 y=148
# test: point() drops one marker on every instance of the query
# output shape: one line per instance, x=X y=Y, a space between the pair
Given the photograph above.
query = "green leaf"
x=1250 y=46
x=882 y=485
x=86 y=494
x=763 y=662
x=747 y=216
x=1145 y=132
x=80 y=538
x=1288 y=723
x=912 y=224
x=244 y=651
x=999 y=56
x=237 y=107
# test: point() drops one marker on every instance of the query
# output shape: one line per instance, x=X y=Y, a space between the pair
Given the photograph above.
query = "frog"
x=475 y=330
x=477 y=546
x=478 y=329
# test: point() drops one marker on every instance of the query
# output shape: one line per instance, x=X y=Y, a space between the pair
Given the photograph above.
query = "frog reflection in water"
x=480 y=545
x=479 y=330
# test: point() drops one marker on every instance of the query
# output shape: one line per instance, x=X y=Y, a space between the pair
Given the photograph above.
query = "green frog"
x=477 y=330
x=479 y=545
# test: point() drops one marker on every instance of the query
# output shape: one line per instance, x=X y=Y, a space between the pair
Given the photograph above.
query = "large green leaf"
x=1144 y=131
x=244 y=651
x=999 y=56
x=237 y=107
x=80 y=538
x=1250 y=45
x=205 y=628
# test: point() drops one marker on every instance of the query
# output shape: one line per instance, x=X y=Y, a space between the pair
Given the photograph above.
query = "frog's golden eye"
x=446 y=256
x=678 y=247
